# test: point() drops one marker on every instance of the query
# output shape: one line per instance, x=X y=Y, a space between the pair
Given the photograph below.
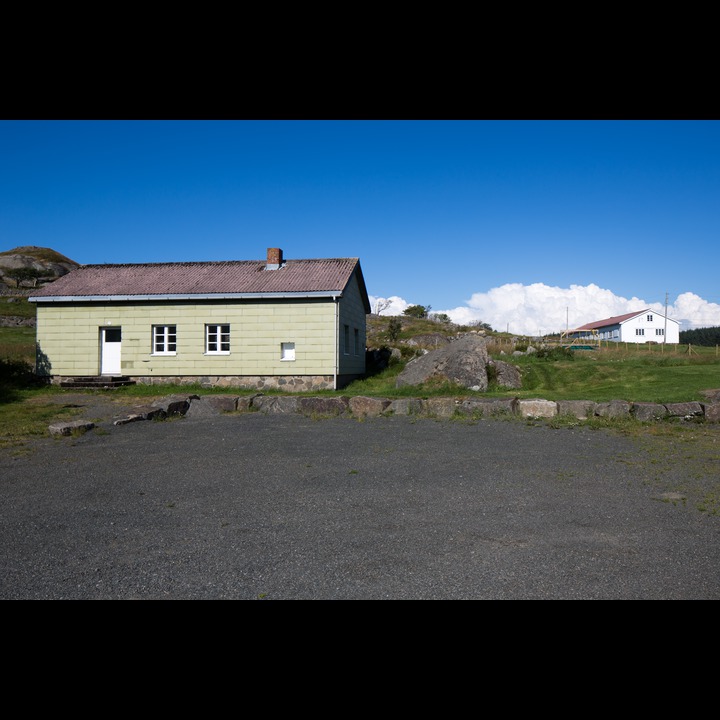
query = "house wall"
x=68 y=337
x=653 y=327
x=351 y=346
x=610 y=332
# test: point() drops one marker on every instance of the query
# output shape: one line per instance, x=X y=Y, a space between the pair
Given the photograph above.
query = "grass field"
x=615 y=373
x=635 y=374
x=17 y=343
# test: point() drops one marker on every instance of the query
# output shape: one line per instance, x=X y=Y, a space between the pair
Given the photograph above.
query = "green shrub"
x=394 y=328
x=555 y=353
x=417 y=311
x=17 y=373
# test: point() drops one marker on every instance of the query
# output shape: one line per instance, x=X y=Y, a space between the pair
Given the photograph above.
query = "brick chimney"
x=274 y=259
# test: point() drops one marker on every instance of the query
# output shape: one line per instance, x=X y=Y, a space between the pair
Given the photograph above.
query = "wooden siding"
x=352 y=314
x=68 y=336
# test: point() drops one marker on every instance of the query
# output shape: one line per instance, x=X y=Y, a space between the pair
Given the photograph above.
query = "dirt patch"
x=98 y=407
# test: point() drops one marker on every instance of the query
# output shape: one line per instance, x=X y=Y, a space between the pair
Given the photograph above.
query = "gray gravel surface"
x=251 y=506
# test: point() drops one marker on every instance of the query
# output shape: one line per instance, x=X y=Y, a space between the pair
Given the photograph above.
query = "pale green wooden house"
x=274 y=323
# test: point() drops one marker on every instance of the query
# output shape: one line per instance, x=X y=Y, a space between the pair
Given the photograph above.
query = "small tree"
x=481 y=325
x=23 y=274
x=394 y=328
x=417 y=311
x=381 y=305
x=441 y=318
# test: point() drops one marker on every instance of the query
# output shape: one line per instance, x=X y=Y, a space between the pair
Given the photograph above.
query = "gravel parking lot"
x=251 y=506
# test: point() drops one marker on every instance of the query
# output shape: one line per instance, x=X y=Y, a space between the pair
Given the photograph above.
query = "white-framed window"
x=649 y=318
x=164 y=339
x=659 y=331
x=217 y=339
x=346 y=339
x=639 y=331
x=287 y=351
x=357 y=342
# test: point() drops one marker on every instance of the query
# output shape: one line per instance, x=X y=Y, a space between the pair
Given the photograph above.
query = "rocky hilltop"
x=28 y=267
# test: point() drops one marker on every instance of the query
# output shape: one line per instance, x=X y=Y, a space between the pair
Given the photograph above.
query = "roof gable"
x=238 y=277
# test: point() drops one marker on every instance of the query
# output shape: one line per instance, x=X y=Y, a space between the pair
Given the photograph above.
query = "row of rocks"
x=440 y=407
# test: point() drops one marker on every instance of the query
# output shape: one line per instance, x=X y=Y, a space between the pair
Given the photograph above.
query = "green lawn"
x=16 y=306
x=642 y=374
x=636 y=380
x=17 y=343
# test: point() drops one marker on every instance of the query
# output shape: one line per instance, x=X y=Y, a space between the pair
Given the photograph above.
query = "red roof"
x=207 y=278
x=609 y=321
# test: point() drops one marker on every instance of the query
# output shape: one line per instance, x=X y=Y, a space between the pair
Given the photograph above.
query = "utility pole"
x=665 y=330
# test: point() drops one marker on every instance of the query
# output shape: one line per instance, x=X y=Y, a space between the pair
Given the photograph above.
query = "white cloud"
x=694 y=312
x=393 y=305
x=542 y=309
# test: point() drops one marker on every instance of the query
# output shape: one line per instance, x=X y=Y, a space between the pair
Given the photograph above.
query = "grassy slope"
x=17 y=343
x=637 y=373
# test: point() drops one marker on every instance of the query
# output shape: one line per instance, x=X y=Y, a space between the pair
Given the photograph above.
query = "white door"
x=110 y=344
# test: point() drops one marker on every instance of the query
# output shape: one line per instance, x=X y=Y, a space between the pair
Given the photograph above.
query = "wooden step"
x=100 y=382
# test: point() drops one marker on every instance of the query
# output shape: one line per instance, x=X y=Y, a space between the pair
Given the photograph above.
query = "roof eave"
x=187 y=296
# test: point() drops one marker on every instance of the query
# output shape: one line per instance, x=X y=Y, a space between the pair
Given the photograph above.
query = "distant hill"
x=29 y=266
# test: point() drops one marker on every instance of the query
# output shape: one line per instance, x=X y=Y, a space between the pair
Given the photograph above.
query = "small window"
x=357 y=341
x=659 y=331
x=649 y=318
x=287 y=351
x=346 y=339
x=217 y=339
x=639 y=331
x=164 y=339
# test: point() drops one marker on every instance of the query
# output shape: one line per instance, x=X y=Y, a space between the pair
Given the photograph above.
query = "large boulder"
x=463 y=361
x=506 y=375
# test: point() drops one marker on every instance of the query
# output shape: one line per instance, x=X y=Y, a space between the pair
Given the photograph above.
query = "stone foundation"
x=296 y=383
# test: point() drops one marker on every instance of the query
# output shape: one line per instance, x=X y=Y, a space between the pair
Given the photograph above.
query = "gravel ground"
x=251 y=506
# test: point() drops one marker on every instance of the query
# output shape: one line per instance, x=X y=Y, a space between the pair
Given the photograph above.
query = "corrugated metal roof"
x=205 y=278
x=610 y=321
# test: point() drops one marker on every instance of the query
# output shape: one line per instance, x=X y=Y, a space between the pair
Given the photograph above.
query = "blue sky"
x=527 y=225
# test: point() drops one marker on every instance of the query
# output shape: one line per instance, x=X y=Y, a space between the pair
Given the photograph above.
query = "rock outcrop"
x=30 y=266
x=506 y=375
x=465 y=362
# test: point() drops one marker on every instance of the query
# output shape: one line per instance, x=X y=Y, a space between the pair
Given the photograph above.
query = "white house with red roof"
x=273 y=323
x=642 y=326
